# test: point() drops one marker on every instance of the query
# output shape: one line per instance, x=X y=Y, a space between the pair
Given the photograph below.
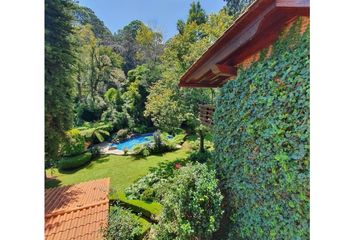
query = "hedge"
x=261 y=139
x=67 y=163
x=151 y=210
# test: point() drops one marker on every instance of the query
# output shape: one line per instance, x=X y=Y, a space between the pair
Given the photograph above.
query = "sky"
x=160 y=15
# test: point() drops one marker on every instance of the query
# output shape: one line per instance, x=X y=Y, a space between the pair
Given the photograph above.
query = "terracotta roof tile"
x=77 y=212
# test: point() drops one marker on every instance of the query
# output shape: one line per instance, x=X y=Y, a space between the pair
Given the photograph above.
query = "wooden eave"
x=257 y=28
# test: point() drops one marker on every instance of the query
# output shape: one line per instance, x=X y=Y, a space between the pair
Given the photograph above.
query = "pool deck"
x=104 y=149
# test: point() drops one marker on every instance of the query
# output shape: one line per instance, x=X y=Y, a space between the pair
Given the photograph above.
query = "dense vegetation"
x=127 y=79
x=261 y=138
x=59 y=61
x=192 y=204
x=103 y=86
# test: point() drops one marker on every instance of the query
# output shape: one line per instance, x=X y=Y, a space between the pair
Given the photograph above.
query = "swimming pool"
x=132 y=142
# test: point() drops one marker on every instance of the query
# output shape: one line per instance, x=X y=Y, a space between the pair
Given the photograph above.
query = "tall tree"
x=235 y=7
x=84 y=16
x=126 y=44
x=196 y=14
x=59 y=61
x=168 y=105
x=150 y=45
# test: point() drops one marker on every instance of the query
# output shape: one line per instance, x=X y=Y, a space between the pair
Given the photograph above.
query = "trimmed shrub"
x=261 y=139
x=122 y=224
x=149 y=209
x=67 y=163
x=192 y=205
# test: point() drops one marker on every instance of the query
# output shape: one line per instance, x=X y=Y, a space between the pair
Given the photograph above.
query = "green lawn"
x=122 y=170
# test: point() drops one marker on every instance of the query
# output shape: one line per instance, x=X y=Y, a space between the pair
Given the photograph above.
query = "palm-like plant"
x=95 y=131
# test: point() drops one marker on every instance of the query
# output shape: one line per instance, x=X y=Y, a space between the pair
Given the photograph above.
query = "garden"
x=114 y=109
x=143 y=180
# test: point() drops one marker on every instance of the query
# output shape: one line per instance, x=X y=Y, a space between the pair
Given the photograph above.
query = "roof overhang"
x=257 y=28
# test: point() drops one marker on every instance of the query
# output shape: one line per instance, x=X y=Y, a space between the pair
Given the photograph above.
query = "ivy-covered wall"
x=261 y=139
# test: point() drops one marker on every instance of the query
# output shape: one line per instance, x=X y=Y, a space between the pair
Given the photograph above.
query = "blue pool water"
x=130 y=143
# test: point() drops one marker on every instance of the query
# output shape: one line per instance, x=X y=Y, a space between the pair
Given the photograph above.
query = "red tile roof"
x=77 y=211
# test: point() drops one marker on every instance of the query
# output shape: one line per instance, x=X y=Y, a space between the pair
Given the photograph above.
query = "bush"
x=261 y=136
x=192 y=205
x=178 y=139
x=150 y=210
x=200 y=157
x=122 y=225
x=125 y=151
x=148 y=195
x=195 y=145
x=154 y=180
x=67 y=163
x=117 y=119
x=74 y=144
x=95 y=151
x=142 y=150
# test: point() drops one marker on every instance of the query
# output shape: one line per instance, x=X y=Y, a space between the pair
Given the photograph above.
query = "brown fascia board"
x=244 y=37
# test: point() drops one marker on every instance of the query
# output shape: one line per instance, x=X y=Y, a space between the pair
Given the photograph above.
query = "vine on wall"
x=261 y=138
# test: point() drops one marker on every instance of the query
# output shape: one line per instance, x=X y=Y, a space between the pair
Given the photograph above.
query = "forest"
x=105 y=81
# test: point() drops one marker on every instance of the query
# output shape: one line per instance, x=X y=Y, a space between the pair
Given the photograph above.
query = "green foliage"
x=201 y=157
x=59 y=61
x=261 y=139
x=192 y=205
x=148 y=195
x=122 y=225
x=120 y=135
x=74 y=144
x=142 y=150
x=90 y=108
x=180 y=26
x=112 y=96
x=167 y=105
x=84 y=15
x=148 y=209
x=196 y=14
x=117 y=119
x=95 y=152
x=138 y=44
x=68 y=163
x=178 y=138
x=195 y=145
x=96 y=132
x=235 y=7
x=154 y=180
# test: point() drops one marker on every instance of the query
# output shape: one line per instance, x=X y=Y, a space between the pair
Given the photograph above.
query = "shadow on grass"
x=52 y=182
x=88 y=165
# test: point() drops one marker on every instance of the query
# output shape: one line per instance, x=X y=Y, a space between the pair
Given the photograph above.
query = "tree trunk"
x=201 y=145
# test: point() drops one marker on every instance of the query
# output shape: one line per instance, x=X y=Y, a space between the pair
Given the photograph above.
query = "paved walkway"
x=104 y=149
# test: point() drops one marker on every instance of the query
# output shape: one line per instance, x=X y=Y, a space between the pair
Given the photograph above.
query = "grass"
x=122 y=170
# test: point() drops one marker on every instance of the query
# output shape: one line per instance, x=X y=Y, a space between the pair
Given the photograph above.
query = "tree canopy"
x=84 y=15
x=235 y=7
x=59 y=66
